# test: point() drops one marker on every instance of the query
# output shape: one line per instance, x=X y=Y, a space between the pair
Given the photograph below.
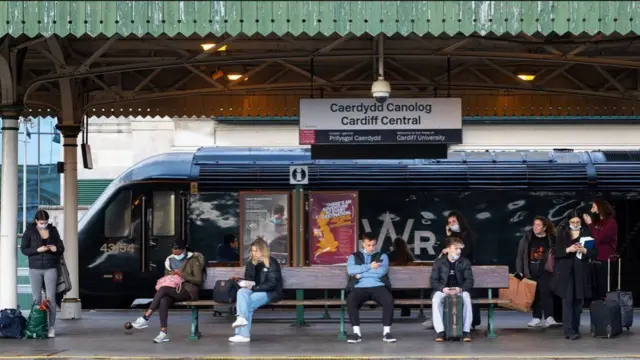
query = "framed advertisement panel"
x=265 y=214
x=333 y=225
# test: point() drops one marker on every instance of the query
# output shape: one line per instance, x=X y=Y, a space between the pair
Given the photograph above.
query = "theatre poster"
x=333 y=226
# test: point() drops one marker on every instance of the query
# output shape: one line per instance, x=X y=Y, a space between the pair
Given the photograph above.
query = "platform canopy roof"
x=464 y=17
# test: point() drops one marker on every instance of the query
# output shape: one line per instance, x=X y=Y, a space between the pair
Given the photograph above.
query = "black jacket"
x=568 y=264
x=522 y=258
x=267 y=279
x=440 y=273
x=31 y=241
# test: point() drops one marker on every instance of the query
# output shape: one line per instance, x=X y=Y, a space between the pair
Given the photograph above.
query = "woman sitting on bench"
x=189 y=266
x=261 y=285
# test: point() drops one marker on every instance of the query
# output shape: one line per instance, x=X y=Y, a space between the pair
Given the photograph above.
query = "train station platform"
x=100 y=335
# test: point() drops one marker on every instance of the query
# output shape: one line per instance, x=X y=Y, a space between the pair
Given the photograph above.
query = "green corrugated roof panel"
x=313 y=17
x=90 y=189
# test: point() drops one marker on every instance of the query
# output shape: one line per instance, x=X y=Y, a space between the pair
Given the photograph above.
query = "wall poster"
x=266 y=215
x=333 y=220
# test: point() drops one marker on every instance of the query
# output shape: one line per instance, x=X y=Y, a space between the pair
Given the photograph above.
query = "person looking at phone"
x=571 y=278
x=368 y=281
x=261 y=285
x=42 y=244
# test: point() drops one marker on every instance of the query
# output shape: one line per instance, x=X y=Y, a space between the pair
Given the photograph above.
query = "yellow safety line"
x=222 y=357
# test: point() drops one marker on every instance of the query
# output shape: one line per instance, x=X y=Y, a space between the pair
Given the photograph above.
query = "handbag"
x=225 y=291
x=520 y=294
x=63 y=284
x=550 y=264
x=173 y=281
x=37 y=325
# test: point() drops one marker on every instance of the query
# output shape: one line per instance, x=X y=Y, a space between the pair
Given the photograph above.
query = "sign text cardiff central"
x=396 y=121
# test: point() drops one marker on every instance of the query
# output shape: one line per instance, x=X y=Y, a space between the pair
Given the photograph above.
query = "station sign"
x=366 y=121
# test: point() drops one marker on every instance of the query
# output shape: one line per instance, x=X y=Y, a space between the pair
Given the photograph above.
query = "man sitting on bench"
x=451 y=275
x=368 y=280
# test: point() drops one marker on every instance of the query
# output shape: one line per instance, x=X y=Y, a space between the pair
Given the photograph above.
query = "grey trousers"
x=48 y=278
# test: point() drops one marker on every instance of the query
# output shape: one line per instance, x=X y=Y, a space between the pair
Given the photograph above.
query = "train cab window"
x=117 y=217
x=164 y=213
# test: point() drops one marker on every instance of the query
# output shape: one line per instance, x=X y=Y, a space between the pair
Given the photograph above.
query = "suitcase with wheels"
x=624 y=298
x=606 y=319
x=453 y=317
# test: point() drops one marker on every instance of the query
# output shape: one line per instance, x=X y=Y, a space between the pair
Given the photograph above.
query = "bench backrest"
x=335 y=277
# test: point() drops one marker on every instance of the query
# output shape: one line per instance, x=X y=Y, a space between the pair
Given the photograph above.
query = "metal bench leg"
x=195 y=327
x=326 y=315
x=299 y=310
x=342 y=335
x=421 y=316
x=491 y=332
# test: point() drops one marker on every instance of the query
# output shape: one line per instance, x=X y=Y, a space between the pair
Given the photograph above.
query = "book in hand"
x=246 y=284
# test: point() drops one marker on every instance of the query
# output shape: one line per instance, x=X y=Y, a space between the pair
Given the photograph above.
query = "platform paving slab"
x=100 y=335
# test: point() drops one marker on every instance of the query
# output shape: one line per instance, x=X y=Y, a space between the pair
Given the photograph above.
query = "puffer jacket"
x=192 y=273
x=31 y=241
x=267 y=279
x=440 y=274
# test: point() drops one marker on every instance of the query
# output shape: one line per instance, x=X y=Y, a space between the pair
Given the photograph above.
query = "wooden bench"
x=335 y=278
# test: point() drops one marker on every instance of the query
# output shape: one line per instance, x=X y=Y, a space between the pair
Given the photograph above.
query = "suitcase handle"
x=619 y=258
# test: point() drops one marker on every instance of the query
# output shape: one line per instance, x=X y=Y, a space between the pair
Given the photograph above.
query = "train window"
x=117 y=217
x=164 y=213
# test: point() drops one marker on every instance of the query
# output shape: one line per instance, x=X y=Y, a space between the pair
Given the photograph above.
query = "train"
x=127 y=233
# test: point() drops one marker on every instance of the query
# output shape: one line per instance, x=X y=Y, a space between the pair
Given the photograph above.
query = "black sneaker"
x=440 y=337
x=466 y=337
x=388 y=338
x=354 y=338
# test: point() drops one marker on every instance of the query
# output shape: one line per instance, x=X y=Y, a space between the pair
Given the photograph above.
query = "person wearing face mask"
x=533 y=250
x=42 y=244
x=604 y=228
x=190 y=266
x=571 y=277
x=451 y=275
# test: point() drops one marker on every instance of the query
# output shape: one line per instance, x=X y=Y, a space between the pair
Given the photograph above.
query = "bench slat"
x=322 y=302
x=335 y=277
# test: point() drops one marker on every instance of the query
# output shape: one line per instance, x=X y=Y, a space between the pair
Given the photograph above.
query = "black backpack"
x=12 y=324
x=359 y=260
x=225 y=291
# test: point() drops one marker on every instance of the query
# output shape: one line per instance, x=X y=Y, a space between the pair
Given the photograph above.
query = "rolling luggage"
x=453 y=312
x=606 y=318
x=624 y=298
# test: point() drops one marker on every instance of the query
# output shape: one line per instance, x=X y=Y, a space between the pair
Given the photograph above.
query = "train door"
x=162 y=226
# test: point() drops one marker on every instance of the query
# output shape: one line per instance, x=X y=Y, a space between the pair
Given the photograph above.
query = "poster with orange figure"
x=333 y=226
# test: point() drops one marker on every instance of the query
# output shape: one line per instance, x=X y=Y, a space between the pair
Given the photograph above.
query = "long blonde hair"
x=263 y=247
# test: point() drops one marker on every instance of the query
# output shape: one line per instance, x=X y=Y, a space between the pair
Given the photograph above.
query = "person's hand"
x=448 y=230
x=573 y=248
x=587 y=219
x=358 y=276
x=177 y=272
x=42 y=249
x=456 y=291
x=375 y=265
x=53 y=248
x=582 y=249
x=448 y=291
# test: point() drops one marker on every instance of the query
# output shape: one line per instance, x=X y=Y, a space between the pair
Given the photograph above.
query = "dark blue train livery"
x=126 y=235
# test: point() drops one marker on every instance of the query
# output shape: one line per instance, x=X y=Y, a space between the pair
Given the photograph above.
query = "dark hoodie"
x=526 y=255
x=31 y=241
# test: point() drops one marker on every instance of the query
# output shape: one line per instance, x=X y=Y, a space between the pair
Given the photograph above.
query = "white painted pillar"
x=71 y=305
x=9 y=211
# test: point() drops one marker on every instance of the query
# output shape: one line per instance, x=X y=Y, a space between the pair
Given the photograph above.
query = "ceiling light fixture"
x=526 y=76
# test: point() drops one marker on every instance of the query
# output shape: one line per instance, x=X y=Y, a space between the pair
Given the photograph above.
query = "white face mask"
x=454 y=228
x=575 y=227
x=42 y=226
x=455 y=257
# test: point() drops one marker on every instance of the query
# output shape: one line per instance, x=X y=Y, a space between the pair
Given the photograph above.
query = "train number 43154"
x=118 y=248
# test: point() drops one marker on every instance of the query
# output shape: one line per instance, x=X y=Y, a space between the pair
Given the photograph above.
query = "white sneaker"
x=239 y=339
x=534 y=323
x=551 y=321
x=240 y=322
x=162 y=337
x=140 y=323
x=51 y=333
x=428 y=324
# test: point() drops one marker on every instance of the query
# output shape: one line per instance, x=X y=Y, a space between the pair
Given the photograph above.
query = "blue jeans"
x=247 y=302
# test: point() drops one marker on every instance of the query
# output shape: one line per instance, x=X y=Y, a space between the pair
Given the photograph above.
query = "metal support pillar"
x=71 y=305
x=297 y=198
x=9 y=210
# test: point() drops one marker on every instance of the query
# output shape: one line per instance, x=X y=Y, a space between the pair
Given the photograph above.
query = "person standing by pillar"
x=604 y=228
